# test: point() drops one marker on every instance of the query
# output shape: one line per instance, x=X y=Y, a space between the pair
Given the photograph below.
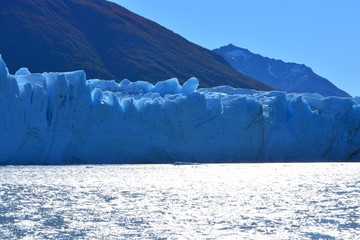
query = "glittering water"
x=234 y=201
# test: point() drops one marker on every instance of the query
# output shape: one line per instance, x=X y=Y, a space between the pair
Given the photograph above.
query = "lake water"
x=231 y=201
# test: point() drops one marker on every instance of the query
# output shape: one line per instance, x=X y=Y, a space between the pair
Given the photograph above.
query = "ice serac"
x=62 y=118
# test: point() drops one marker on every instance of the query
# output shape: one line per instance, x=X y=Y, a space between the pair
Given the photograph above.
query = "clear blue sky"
x=324 y=35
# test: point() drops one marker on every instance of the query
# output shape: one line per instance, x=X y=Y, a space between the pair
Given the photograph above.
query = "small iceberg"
x=185 y=163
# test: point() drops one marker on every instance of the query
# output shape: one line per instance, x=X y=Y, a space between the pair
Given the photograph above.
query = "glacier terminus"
x=62 y=118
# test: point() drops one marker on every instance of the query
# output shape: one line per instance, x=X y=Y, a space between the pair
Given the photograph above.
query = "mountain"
x=107 y=41
x=290 y=77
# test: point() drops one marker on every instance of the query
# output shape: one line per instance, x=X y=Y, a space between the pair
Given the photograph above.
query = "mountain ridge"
x=285 y=76
x=108 y=42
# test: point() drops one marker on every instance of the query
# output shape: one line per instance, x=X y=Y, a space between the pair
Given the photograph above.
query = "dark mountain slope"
x=290 y=77
x=107 y=41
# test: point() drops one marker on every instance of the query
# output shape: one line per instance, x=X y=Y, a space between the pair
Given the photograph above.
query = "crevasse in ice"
x=61 y=118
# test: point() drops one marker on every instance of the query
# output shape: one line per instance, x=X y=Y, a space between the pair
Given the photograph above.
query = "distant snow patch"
x=270 y=71
x=238 y=53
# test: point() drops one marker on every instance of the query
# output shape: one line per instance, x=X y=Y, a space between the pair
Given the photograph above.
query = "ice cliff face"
x=60 y=118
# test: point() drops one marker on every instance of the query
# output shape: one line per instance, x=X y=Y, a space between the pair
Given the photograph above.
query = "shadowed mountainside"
x=108 y=42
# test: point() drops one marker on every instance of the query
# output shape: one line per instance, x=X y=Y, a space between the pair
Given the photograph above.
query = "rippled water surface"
x=233 y=201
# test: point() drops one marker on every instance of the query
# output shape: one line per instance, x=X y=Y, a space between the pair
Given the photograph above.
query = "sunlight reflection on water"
x=231 y=201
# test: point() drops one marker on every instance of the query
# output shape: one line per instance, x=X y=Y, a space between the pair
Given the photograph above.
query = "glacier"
x=62 y=118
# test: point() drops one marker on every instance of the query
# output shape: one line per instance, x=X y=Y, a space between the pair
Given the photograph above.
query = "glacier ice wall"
x=60 y=118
